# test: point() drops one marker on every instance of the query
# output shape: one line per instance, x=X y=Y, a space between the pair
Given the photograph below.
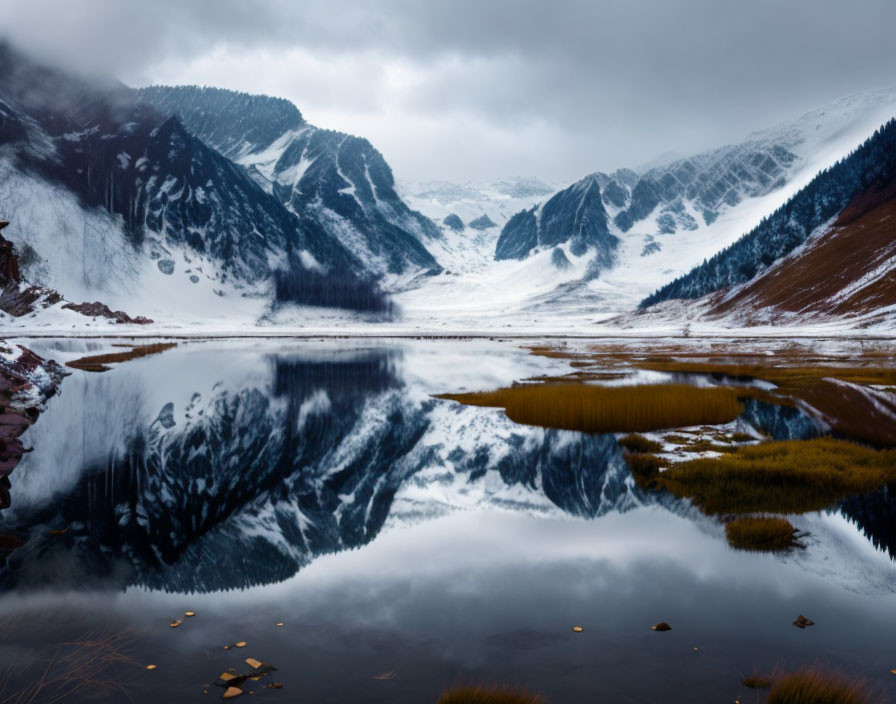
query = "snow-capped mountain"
x=658 y=223
x=829 y=252
x=339 y=181
x=575 y=215
x=112 y=198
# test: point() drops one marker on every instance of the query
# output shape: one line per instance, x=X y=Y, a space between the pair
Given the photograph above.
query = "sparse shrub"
x=645 y=468
x=812 y=685
x=793 y=476
x=761 y=533
x=495 y=694
x=637 y=443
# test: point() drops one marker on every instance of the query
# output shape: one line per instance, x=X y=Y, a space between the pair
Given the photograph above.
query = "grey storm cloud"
x=479 y=89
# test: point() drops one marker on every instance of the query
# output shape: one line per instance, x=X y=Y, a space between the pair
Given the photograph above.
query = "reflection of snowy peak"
x=305 y=459
x=339 y=181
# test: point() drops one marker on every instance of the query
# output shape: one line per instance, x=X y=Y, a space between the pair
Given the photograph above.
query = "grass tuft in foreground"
x=761 y=533
x=812 y=685
x=495 y=694
x=636 y=443
x=794 y=476
x=615 y=409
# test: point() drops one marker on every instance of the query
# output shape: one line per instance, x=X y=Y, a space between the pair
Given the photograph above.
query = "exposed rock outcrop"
x=18 y=298
x=26 y=382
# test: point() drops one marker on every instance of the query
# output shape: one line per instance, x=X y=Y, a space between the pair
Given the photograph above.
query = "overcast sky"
x=480 y=89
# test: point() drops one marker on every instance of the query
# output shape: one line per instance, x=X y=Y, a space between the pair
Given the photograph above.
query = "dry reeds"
x=813 y=685
x=793 y=476
x=494 y=694
x=633 y=442
x=70 y=671
x=615 y=409
x=761 y=533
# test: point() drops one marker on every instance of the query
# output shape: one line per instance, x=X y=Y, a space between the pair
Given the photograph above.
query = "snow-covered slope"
x=829 y=253
x=115 y=200
x=666 y=220
x=339 y=181
x=463 y=249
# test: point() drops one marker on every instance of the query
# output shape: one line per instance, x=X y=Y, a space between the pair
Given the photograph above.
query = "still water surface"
x=320 y=485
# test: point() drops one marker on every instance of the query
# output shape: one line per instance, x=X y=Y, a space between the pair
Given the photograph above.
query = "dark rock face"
x=17 y=298
x=710 y=182
x=454 y=222
x=114 y=151
x=334 y=180
x=9 y=262
x=519 y=236
x=616 y=194
x=26 y=382
x=101 y=310
x=575 y=215
x=483 y=222
x=559 y=259
x=233 y=123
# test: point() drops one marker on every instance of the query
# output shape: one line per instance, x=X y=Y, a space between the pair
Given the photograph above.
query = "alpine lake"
x=381 y=520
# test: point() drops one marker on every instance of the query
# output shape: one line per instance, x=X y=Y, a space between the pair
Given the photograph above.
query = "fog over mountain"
x=510 y=88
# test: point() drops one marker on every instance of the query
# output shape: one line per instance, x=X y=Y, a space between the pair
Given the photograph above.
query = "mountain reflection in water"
x=245 y=484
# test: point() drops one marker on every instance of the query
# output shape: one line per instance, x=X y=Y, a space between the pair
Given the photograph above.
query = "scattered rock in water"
x=232 y=680
x=803 y=622
x=166 y=266
x=661 y=626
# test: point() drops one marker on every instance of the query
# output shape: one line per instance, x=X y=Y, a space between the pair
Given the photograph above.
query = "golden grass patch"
x=495 y=694
x=615 y=409
x=761 y=533
x=633 y=442
x=792 y=476
x=812 y=685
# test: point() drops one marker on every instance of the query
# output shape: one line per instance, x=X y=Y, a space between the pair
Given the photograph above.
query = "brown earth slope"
x=848 y=270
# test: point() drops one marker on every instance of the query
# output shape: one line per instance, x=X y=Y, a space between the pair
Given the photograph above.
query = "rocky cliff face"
x=26 y=382
x=829 y=249
x=112 y=194
x=575 y=216
x=338 y=181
